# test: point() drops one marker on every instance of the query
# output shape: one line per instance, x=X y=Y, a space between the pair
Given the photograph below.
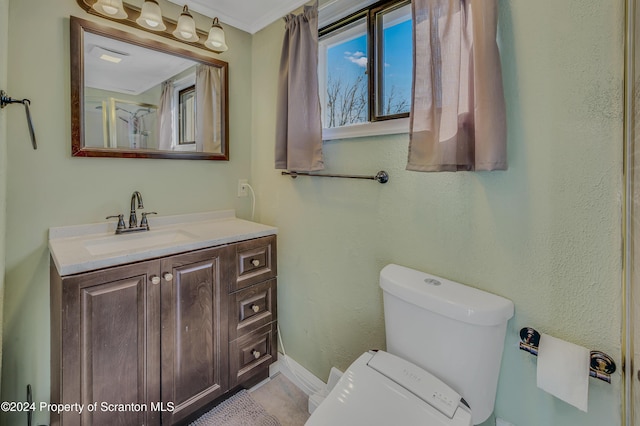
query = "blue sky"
x=398 y=58
x=349 y=59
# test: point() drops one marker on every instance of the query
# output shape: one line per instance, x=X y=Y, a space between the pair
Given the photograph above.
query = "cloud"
x=357 y=58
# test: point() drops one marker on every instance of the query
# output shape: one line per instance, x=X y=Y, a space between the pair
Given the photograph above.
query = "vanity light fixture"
x=186 y=28
x=216 y=40
x=110 y=8
x=151 y=16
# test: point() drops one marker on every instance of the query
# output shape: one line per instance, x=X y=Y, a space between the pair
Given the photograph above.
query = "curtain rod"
x=381 y=176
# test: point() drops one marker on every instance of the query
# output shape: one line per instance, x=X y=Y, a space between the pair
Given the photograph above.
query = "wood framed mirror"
x=134 y=97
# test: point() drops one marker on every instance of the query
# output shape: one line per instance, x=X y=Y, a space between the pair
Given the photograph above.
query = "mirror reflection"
x=138 y=98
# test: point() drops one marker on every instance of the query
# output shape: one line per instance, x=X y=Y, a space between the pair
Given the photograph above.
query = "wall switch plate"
x=242 y=189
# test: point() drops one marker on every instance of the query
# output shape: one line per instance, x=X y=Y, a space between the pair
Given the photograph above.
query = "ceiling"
x=139 y=68
x=253 y=15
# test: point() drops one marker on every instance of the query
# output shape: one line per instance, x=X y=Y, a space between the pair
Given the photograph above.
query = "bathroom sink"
x=82 y=248
x=138 y=241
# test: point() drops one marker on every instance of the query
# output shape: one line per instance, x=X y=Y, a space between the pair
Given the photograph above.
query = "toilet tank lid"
x=445 y=297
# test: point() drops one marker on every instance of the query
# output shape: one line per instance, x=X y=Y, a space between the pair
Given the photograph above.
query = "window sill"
x=377 y=128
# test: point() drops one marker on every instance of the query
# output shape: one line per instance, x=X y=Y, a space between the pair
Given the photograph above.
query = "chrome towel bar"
x=602 y=365
x=381 y=176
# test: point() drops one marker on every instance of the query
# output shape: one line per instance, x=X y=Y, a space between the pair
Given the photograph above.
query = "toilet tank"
x=453 y=331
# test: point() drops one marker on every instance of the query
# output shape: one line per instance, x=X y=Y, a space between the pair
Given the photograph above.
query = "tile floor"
x=282 y=399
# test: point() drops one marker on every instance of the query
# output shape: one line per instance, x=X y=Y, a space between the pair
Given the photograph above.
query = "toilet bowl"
x=444 y=350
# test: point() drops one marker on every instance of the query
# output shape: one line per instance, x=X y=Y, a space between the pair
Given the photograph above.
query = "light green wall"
x=49 y=188
x=545 y=233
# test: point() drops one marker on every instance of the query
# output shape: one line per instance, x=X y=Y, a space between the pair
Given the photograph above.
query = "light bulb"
x=151 y=16
x=216 y=39
x=110 y=8
x=186 y=27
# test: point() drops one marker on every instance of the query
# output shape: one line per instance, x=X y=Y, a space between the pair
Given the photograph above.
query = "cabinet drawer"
x=252 y=308
x=255 y=262
x=251 y=354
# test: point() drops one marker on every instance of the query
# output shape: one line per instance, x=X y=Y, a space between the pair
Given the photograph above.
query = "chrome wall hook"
x=6 y=100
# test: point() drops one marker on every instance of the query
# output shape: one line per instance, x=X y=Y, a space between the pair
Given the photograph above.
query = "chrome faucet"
x=133 y=219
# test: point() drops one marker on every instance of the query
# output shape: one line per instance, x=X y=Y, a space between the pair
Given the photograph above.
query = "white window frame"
x=369 y=128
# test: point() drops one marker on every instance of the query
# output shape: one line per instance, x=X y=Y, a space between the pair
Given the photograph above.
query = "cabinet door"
x=111 y=345
x=194 y=330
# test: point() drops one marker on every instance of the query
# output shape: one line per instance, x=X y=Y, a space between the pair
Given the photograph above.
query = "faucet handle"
x=144 y=222
x=121 y=224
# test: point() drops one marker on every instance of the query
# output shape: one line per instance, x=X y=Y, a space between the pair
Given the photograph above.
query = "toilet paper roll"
x=563 y=370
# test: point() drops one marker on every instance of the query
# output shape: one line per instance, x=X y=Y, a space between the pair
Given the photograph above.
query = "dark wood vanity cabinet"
x=193 y=308
x=253 y=313
x=166 y=336
x=106 y=342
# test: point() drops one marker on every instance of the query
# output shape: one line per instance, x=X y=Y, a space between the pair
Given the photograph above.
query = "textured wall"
x=545 y=233
x=4 y=39
x=49 y=188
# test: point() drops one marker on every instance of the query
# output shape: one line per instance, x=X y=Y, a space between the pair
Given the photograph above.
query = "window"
x=365 y=66
x=184 y=110
x=187 y=115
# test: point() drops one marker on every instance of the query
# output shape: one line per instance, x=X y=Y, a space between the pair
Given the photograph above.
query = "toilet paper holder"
x=601 y=366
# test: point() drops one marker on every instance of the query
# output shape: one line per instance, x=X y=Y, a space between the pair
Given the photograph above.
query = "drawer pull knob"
x=255 y=354
x=155 y=279
x=255 y=308
x=255 y=262
x=168 y=276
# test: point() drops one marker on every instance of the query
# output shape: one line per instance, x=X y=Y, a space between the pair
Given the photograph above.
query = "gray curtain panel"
x=298 y=125
x=457 y=117
x=165 y=117
x=208 y=106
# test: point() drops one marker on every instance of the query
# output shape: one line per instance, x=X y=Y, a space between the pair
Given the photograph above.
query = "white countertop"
x=82 y=248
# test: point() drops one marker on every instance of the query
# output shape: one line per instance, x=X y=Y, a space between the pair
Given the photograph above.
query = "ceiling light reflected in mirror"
x=110 y=58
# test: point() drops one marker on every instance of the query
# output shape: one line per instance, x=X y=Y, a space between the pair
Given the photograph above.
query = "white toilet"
x=444 y=349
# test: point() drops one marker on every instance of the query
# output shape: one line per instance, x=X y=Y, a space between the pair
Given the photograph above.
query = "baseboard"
x=300 y=376
x=316 y=389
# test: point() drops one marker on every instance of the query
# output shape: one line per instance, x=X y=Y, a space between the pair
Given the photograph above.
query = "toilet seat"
x=382 y=389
